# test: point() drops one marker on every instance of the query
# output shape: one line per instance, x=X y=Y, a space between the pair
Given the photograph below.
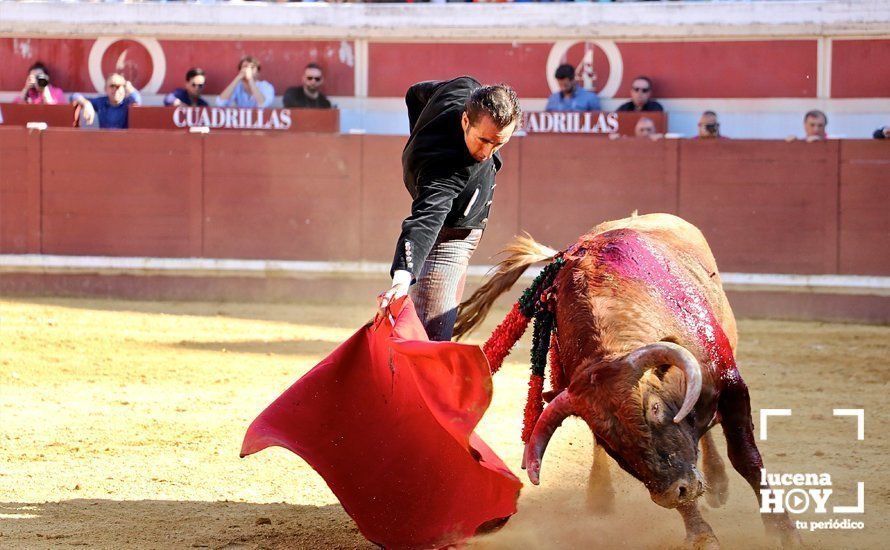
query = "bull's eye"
x=655 y=414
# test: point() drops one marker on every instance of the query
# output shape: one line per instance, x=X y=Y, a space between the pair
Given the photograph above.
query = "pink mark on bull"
x=632 y=256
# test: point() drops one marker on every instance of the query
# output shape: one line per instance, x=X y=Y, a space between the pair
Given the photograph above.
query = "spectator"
x=37 y=88
x=113 y=107
x=571 y=96
x=307 y=96
x=191 y=94
x=814 y=123
x=882 y=133
x=645 y=128
x=640 y=92
x=708 y=127
x=246 y=90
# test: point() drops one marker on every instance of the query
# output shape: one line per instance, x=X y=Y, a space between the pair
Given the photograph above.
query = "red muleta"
x=387 y=420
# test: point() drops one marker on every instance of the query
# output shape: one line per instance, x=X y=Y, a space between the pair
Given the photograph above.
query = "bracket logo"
x=798 y=493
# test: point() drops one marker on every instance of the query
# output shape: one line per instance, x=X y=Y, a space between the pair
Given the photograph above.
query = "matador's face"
x=484 y=138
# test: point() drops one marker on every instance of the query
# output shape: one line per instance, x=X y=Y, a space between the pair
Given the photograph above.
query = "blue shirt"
x=184 y=97
x=241 y=96
x=114 y=116
x=580 y=100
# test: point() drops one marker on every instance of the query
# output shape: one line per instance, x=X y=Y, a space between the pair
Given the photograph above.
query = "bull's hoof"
x=718 y=491
x=702 y=541
x=791 y=540
x=781 y=527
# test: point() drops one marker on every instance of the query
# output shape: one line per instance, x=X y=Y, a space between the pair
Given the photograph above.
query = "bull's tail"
x=520 y=254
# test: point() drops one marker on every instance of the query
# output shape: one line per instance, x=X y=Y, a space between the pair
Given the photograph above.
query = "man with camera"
x=38 y=90
x=708 y=127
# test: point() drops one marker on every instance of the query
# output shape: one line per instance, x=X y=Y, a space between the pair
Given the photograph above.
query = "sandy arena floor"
x=122 y=422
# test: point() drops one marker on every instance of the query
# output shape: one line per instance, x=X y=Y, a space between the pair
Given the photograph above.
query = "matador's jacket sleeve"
x=432 y=203
x=416 y=99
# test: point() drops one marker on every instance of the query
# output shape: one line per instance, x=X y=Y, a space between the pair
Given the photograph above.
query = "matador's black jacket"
x=449 y=187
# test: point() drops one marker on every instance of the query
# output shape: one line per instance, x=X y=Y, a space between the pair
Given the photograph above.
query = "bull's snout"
x=683 y=490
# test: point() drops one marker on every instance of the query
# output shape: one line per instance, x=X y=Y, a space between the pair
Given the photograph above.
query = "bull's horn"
x=550 y=419
x=668 y=353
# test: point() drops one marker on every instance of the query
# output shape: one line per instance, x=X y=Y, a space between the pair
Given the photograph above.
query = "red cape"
x=387 y=420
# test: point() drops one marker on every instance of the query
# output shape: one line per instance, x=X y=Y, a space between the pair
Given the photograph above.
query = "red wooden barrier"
x=864 y=202
x=20 y=114
x=19 y=191
x=282 y=196
x=570 y=183
x=764 y=206
x=384 y=199
x=119 y=193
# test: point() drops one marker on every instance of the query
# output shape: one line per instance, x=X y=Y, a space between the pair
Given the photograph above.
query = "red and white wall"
x=760 y=66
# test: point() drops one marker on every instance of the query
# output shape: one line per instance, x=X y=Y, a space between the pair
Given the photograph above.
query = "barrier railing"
x=765 y=206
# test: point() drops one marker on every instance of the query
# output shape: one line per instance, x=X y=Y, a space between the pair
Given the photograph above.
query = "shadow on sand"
x=100 y=523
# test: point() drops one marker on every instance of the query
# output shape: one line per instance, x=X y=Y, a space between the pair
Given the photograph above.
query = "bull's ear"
x=608 y=373
x=660 y=370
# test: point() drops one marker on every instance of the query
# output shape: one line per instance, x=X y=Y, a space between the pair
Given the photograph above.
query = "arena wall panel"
x=859 y=68
x=120 y=193
x=384 y=200
x=282 y=196
x=394 y=69
x=864 y=202
x=764 y=206
x=784 y=68
x=20 y=151
x=568 y=184
x=282 y=62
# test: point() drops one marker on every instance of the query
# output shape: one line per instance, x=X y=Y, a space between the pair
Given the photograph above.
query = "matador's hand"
x=401 y=281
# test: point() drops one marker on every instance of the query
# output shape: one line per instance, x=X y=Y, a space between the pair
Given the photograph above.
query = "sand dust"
x=122 y=422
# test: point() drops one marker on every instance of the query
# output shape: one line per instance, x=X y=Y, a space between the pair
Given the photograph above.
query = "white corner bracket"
x=766 y=413
x=860 y=420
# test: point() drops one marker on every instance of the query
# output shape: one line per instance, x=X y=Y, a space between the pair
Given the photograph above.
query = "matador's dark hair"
x=498 y=101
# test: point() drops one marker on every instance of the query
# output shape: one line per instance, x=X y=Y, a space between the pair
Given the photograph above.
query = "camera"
x=42 y=80
x=712 y=128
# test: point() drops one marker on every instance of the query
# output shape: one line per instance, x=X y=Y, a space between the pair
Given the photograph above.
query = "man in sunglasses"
x=112 y=108
x=191 y=94
x=307 y=96
x=640 y=92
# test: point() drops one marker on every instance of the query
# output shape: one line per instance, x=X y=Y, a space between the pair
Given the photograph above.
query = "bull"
x=646 y=341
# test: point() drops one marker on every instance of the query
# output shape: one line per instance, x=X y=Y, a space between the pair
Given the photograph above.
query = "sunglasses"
x=193 y=85
x=314 y=78
x=643 y=90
